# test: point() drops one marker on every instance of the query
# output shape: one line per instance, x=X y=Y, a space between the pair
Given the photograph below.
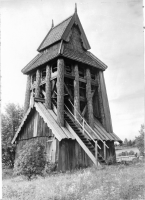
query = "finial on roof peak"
x=52 y=24
x=75 y=7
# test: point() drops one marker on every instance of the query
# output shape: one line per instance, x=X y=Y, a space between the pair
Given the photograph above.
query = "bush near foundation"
x=131 y=153
x=31 y=160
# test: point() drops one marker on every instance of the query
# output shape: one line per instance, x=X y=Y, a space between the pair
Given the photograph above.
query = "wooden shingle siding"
x=55 y=34
x=75 y=41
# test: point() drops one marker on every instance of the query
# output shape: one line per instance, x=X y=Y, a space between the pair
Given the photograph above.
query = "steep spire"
x=52 y=24
x=75 y=11
x=75 y=7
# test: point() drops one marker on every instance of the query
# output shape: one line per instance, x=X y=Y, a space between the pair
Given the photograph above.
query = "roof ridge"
x=61 y=22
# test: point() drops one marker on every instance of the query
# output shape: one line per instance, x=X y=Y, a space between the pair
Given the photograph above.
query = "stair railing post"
x=96 y=152
x=104 y=151
x=83 y=126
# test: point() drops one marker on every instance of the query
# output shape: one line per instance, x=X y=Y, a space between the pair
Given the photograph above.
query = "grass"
x=110 y=183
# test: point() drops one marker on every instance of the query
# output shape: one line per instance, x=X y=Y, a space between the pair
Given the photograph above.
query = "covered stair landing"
x=83 y=137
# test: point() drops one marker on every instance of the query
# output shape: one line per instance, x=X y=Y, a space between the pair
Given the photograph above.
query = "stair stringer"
x=85 y=148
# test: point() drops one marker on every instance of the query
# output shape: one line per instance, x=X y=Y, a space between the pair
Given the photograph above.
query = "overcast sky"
x=114 y=29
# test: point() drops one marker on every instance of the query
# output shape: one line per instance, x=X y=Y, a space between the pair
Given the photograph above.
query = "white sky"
x=114 y=29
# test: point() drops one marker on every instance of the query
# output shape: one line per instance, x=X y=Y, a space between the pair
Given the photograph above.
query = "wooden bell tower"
x=66 y=87
x=71 y=75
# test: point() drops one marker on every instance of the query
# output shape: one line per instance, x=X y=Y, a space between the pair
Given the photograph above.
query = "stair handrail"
x=81 y=126
x=88 y=124
x=85 y=131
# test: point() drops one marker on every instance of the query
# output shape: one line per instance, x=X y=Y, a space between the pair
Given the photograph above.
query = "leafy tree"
x=129 y=143
x=139 y=141
x=10 y=122
x=125 y=142
x=31 y=160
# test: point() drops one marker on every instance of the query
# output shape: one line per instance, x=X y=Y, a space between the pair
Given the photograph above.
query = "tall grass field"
x=116 y=182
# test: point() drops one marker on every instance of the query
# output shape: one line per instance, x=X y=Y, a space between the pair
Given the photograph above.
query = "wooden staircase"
x=73 y=124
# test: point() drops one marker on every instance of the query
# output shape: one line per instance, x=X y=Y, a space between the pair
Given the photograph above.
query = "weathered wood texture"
x=100 y=102
x=76 y=92
x=72 y=156
x=109 y=152
x=107 y=122
x=27 y=94
x=96 y=109
x=75 y=41
x=89 y=98
x=60 y=92
x=28 y=129
x=37 y=89
x=48 y=88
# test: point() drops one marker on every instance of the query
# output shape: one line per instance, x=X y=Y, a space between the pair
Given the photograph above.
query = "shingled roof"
x=52 y=46
x=55 y=34
x=61 y=31
x=85 y=57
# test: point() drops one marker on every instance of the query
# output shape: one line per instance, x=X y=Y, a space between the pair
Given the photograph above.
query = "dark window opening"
x=68 y=69
x=81 y=72
x=54 y=68
x=82 y=106
x=33 y=78
x=82 y=89
x=93 y=77
x=93 y=74
x=43 y=74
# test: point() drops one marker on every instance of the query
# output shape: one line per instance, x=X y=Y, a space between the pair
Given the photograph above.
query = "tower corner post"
x=60 y=92
x=37 y=89
x=27 y=94
x=76 y=92
x=48 y=88
x=89 y=98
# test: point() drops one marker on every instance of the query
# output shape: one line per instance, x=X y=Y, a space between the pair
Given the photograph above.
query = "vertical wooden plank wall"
x=72 y=156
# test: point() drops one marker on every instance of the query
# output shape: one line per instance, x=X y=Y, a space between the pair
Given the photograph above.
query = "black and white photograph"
x=72 y=99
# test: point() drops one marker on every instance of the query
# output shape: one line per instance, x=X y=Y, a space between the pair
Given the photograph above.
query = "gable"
x=54 y=35
x=62 y=31
x=74 y=40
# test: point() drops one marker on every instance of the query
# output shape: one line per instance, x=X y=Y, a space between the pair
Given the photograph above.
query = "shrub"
x=50 y=167
x=8 y=155
x=124 y=153
x=31 y=160
x=131 y=153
